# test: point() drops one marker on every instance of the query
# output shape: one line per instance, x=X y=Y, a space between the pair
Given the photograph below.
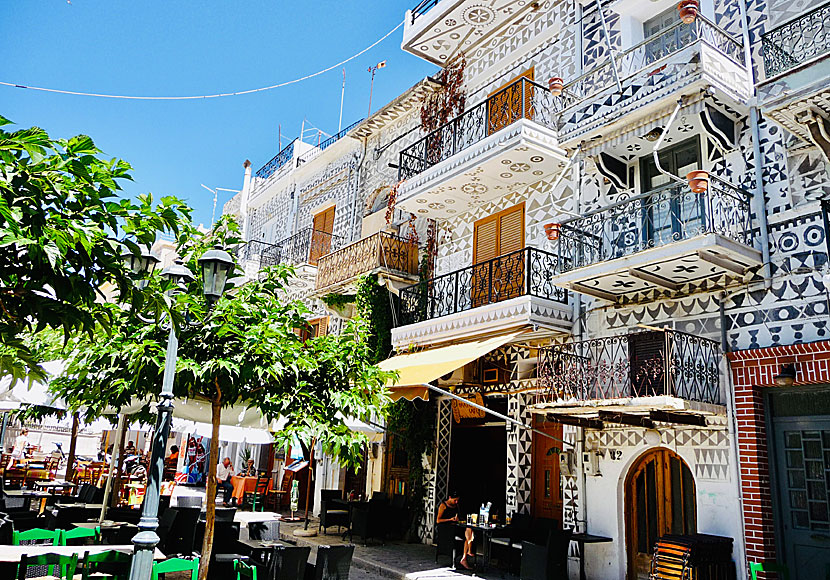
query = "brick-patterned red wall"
x=751 y=370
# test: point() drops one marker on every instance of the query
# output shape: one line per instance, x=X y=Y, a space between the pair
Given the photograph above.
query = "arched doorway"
x=659 y=500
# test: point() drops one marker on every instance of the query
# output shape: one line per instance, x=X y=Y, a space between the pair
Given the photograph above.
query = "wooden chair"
x=258 y=495
x=244 y=570
x=176 y=565
x=109 y=564
x=782 y=571
x=275 y=498
x=81 y=534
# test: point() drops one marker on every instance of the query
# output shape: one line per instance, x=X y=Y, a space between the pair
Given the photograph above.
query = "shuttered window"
x=499 y=234
x=316 y=327
x=321 y=236
x=506 y=106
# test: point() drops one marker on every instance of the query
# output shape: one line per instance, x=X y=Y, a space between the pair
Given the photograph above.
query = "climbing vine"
x=448 y=101
x=338 y=300
x=373 y=303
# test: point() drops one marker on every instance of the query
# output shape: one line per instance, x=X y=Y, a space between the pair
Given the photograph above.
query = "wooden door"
x=498 y=262
x=546 y=482
x=510 y=102
x=659 y=499
x=321 y=235
x=647 y=363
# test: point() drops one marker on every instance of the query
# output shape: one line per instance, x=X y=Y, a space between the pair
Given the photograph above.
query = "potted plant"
x=688 y=10
x=698 y=181
x=556 y=85
x=552 y=231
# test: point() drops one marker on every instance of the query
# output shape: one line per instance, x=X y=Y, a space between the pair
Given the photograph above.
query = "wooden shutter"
x=494 y=236
x=486 y=239
x=323 y=225
x=504 y=109
x=512 y=231
x=321 y=326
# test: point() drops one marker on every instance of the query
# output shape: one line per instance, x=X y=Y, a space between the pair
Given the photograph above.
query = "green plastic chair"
x=176 y=565
x=258 y=495
x=66 y=564
x=79 y=533
x=38 y=535
x=782 y=571
x=92 y=564
x=244 y=570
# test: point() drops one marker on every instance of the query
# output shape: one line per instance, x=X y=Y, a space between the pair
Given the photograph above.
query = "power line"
x=213 y=96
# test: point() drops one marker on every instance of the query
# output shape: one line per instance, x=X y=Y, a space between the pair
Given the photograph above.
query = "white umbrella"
x=12 y=397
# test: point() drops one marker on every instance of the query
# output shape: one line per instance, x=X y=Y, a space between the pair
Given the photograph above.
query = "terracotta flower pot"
x=556 y=85
x=552 y=231
x=698 y=181
x=688 y=10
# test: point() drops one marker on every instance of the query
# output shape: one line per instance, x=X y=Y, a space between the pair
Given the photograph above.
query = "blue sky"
x=149 y=47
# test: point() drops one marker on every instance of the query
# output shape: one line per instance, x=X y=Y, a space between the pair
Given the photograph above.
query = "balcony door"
x=659 y=500
x=321 y=235
x=672 y=212
x=510 y=102
x=498 y=263
x=647 y=363
x=664 y=35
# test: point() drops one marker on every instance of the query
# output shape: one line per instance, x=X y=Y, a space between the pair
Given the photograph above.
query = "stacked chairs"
x=692 y=557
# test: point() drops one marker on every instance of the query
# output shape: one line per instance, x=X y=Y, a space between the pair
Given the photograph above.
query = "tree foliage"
x=63 y=229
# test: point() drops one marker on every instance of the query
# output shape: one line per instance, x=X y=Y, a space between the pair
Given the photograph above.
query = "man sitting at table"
x=224 y=473
x=174 y=454
x=250 y=470
x=448 y=514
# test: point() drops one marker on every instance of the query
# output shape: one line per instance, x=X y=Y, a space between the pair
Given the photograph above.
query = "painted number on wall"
x=614 y=454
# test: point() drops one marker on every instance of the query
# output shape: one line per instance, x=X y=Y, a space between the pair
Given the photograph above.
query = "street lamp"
x=216 y=265
x=141 y=264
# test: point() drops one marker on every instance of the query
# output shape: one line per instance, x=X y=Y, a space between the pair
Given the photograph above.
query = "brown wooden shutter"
x=486 y=239
x=512 y=231
x=323 y=225
x=503 y=109
x=321 y=327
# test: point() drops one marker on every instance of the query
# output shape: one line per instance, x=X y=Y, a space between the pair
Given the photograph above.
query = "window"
x=673 y=212
x=498 y=265
x=667 y=33
x=316 y=327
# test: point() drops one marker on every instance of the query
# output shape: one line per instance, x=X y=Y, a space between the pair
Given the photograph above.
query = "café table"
x=55 y=485
x=28 y=495
x=255 y=548
x=582 y=539
x=485 y=531
x=242 y=484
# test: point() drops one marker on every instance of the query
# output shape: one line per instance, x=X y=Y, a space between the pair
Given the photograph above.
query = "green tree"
x=245 y=350
x=63 y=229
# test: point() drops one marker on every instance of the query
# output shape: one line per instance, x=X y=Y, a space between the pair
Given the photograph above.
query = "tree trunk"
x=70 y=460
x=119 y=473
x=210 y=492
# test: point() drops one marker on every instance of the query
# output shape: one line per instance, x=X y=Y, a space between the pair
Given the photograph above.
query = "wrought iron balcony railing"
x=649 y=364
x=422 y=8
x=308 y=245
x=667 y=215
x=259 y=254
x=381 y=250
x=650 y=56
x=277 y=163
x=797 y=41
x=526 y=272
x=312 y=153
x=523 y=99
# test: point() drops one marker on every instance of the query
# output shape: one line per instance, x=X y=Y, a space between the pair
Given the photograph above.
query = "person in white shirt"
x=19 y=449
x=224 y=473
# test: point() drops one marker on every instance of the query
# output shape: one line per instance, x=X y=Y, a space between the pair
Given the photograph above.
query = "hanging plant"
x=391 y=201
x=443 y=104
x=412 y=235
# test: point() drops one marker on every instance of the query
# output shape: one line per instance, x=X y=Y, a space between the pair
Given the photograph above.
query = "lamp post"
x=216 y=264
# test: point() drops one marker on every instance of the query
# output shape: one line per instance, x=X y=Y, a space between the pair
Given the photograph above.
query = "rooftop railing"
x=650 y=56
x=526 y=272
x=658 y=363
x=308 y=245
x=522 y=99
x=797 y=41
x=422 y=8
x=381 y=250
x=666 y=215
x=277 y=163
x=323 y=145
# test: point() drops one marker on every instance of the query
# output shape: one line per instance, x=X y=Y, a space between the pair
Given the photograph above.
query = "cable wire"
x=212 y=96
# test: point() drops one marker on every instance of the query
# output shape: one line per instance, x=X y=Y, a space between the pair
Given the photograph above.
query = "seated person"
x=174 y=454
x=224 y=473
x=250 y=470
x=448 y=514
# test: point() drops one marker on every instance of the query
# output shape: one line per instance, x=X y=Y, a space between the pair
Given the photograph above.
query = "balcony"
x=323 y=145
x=508 y=293
x=635 y=379
x=279 y=161
x=681 y=60
x=501 y=144
x=797 y=66
x=437 y=30
x=394 y=258
x=662 y=240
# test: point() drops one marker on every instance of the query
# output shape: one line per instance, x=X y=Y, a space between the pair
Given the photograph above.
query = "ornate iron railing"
x=381 y=250
x=797 y=41
x=261 y=254
x=675 y=364
x=279 y=161
x=523 y=99
x=526 y=272
x=650 y=56
x=663 y=216
x=312 y=153
x=308 y=245
x=422 y=8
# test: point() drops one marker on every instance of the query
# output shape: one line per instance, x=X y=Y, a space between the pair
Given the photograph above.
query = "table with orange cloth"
x=241 y=485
